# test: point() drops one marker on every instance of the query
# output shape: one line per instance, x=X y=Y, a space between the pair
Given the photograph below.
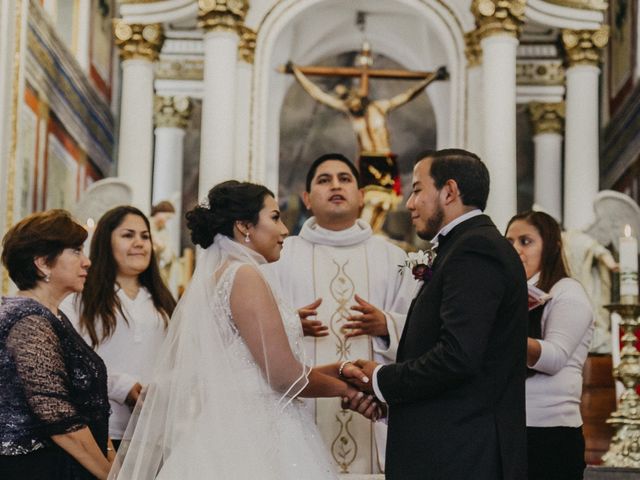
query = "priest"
x=352 y=299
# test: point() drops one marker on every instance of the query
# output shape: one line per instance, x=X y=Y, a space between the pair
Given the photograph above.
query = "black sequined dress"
x=51 y=382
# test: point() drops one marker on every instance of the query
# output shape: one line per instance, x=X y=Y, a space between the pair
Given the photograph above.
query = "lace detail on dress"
x=52 y=381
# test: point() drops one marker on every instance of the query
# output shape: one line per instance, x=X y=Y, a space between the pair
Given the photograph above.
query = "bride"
x=223 y=400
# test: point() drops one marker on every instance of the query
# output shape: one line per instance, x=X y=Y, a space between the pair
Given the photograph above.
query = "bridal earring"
x=246 y=238
x=47 y=278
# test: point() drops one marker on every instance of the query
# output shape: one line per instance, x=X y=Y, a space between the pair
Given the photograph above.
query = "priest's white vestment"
x=335 y=266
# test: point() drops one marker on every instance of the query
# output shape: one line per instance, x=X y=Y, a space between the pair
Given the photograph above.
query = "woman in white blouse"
x=559 y=337
x=124 y=309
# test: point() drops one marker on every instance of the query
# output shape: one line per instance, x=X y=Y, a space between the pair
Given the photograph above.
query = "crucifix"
x=368 y=117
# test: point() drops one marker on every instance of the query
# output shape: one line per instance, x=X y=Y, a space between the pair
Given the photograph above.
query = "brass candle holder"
x=624 y=450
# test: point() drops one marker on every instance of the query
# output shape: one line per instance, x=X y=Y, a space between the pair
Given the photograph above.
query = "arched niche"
x=418 y=34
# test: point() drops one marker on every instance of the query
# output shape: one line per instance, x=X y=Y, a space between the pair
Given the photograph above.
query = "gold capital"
x=495 y=17
x=547 y=117
x=137 y=40
x=222 y=14
x=584 y=47
x=247 y=46
x=171 y=111
x=473 y=50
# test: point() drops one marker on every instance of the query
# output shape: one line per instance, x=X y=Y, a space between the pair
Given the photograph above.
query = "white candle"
x=628 y=264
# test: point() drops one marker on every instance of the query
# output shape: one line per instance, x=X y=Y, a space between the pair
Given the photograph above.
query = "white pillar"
x=499 y=123
x=246 y=50
x=83 y=38
x=218 y=109
x=475 y=130
x=582 y=166
x=135 y=143
x=547 y=120
x=135 y=147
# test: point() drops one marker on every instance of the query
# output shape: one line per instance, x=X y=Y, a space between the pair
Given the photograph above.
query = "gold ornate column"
x=171 y=111
x=139 y=47
x=548 y=124
x=582 y=173
x=222 y=21
x=498 y=27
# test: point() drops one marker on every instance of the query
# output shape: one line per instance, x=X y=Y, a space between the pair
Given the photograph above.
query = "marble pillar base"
x=611 y=473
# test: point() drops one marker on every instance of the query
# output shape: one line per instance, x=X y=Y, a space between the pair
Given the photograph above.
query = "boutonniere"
x=419 y=263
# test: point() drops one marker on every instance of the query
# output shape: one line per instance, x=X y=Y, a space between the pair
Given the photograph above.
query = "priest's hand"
x=312 y=328
x=360 y=374
x=372 y=320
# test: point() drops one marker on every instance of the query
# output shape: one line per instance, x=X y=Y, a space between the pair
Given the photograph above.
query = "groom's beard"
x=434 y=224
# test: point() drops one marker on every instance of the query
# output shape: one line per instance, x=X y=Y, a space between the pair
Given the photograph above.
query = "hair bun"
x=200 y=221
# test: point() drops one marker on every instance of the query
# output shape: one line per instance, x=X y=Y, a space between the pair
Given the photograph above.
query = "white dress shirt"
x=129 y=353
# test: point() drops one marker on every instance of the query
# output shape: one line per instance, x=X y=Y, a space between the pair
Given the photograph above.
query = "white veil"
x=214 y=390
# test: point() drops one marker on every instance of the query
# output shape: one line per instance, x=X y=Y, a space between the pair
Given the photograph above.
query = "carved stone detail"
x=171 y=111
x=547 y=117
x=540 y=72
x=179 y=69
x=584 y=47
x=222 y=14
x=473 y=50
x=137 y=40
x=599 y=5
x=495 y=17
x=247 y=47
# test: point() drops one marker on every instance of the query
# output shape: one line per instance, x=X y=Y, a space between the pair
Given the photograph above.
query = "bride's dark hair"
x=228 y=202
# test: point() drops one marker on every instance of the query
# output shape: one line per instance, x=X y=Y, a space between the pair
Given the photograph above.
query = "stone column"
x=581 y=157
x=139 y=47
x=221 y=20
x=499 y=23
x=475 y=132
x=246 y=51
x=547 y=120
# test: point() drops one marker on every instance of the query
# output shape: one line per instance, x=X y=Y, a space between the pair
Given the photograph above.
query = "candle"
x=628 y=264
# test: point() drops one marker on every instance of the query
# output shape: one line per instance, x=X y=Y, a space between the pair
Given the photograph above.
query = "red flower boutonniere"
x=419 y=263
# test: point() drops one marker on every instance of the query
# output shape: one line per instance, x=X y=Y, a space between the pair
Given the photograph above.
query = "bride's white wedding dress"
x=222 y=404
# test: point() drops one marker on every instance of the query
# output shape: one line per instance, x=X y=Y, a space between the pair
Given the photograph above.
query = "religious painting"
x=621 y=50
x=61 y=174
x=26 y=178
x=101 y=46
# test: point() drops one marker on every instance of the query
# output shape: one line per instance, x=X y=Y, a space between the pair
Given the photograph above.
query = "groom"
x=456 y=394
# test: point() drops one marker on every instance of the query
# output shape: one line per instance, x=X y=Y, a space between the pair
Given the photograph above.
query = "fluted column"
x=246 y=51
x=221 y=20
x=547 y=120
x=139 y=47
x=582 y=165
x=499 y=23
x=475 y=132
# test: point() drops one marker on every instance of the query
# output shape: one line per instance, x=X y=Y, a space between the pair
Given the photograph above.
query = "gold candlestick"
x=624 y=450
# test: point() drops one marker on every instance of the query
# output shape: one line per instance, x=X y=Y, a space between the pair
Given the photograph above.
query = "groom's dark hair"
x=325 y=158
x=468 y=171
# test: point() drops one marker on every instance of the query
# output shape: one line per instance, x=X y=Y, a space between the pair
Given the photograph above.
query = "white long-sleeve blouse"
x=554 y=392
x=129 y=353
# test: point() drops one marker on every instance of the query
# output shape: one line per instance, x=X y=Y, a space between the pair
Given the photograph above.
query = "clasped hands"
x=360 y=396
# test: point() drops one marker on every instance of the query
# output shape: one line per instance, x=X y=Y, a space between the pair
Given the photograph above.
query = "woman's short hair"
x=41 y=234
x=228 y=203
x=553 y=266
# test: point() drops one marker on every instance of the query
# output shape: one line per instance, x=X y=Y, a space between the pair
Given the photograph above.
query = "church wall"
x=620 y=149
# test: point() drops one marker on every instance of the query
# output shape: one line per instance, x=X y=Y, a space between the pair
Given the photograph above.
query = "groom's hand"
x=371 y=320
x=312 y=328
x=366 y=405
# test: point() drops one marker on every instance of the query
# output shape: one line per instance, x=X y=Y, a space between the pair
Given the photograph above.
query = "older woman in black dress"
x=54 y=409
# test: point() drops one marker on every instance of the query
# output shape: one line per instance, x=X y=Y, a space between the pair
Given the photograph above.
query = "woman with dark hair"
x=124 y=308
x=222 y=399
x=559 y=338
x=54 y=410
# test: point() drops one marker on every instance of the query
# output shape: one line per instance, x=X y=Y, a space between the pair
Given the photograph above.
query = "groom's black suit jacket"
x=456 y=394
